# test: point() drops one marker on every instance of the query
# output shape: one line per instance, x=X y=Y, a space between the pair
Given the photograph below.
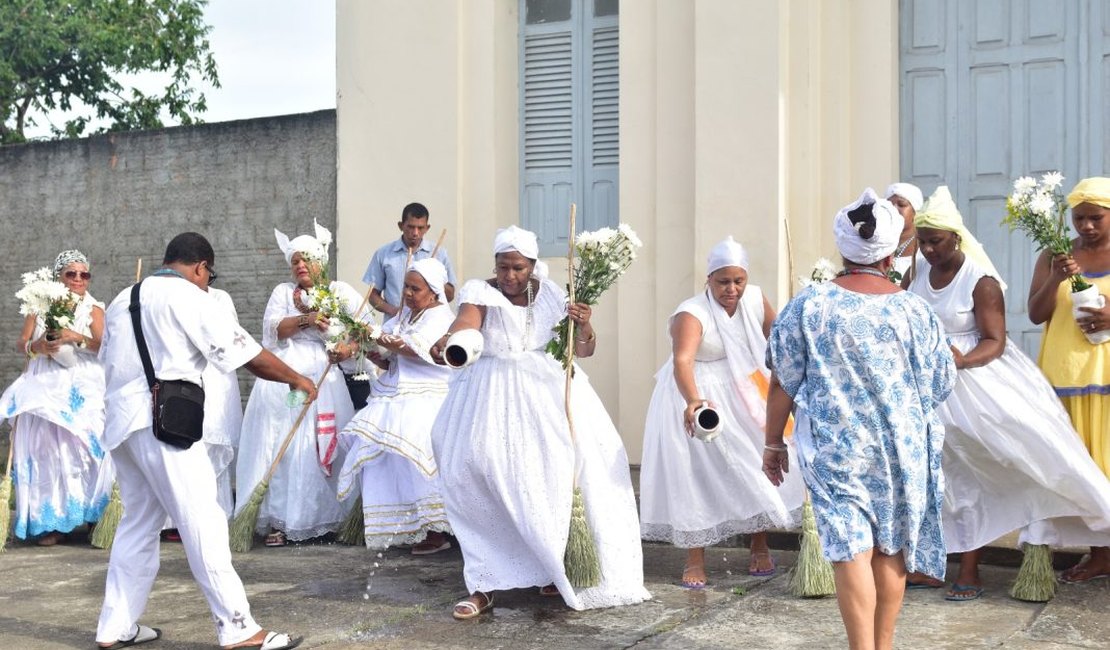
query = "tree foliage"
x=71 y=54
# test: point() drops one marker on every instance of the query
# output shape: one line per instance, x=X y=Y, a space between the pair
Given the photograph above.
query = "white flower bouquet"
x=823 y=271
x=45 y=297
x=342 y=325
x=601 y=257
x=1039 y=210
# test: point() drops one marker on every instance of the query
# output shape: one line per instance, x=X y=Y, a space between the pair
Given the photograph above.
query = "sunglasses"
x=212 y=275
x=73 y=275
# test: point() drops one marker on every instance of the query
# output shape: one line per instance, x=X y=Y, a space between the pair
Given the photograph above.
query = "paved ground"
x=343 y=597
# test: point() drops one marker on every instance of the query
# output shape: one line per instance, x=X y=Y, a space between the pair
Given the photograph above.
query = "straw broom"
x=105 y=531
x=6 y=493
x=1036 y=579
x=580 y=559
x=241 y=532
x=812 y=575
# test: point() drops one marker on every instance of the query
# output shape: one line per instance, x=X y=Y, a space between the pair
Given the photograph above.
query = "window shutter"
x=601 y=168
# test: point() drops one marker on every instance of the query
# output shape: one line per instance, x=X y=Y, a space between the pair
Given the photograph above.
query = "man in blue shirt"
x=389 y=263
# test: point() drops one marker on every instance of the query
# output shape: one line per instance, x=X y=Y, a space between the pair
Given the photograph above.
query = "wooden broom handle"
x=439 y=242
x=570 y=325
x=293 y=430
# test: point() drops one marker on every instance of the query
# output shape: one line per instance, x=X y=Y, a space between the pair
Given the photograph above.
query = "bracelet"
x=31 y=354
x=302 y=321
x=775 y=447
x=591 y=339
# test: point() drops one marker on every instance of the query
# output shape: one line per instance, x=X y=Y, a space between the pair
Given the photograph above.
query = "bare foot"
x=693 y=576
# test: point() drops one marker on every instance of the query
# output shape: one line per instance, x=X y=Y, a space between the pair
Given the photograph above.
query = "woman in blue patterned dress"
x=866 y=365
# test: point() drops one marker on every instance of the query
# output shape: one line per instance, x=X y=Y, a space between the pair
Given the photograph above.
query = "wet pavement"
x=344 y=597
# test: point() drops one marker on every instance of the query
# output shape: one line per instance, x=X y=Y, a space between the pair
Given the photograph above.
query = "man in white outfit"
x=185 y=331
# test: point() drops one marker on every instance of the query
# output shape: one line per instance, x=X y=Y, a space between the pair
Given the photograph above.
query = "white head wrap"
x=727 y=252
x=307 y=245
x=888 y=227
x=522 y=241
x=908 y=191
x=65 y=258
x=434 y=273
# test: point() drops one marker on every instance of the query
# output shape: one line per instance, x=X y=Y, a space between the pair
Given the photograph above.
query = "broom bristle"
x=580 y=560
x=104 y=533
x=241 y=532
x=353 y=529
x=812 y=575
x=5 y=510
x=1036 y=580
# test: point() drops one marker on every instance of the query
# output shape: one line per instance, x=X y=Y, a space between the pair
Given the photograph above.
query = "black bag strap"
x=137 y=325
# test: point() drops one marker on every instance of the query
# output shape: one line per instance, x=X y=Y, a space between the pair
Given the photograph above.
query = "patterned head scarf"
x=307 y=245
x=727 y=252
x=65 y=258
x=940 y=213
x=1094 y=190
x=434 y=273
x=908 y=191
x=888 y=227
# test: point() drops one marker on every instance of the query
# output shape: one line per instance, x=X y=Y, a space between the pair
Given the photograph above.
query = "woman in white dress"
x=1011 y=456
x=389 y=442
x=59 y=402
x=695 y=494
x=300 y=503
x=506 y=460
x=907 y=199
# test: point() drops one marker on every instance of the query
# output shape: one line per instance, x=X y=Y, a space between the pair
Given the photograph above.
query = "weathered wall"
x=121 y=196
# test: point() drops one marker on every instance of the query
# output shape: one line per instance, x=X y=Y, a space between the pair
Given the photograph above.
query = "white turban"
x=434 y=273
x=727 y=252
x=908 y=191
x=888 y=227
x=522 y=241
x=307 y=245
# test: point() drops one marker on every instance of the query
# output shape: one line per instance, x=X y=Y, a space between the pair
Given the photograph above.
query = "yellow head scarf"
x=940 y=212
x=1094 y=190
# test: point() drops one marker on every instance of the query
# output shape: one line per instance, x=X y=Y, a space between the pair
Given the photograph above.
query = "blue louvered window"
x=569 y=84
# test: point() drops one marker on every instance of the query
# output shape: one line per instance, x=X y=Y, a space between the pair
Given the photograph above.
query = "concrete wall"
x=735 y=115
x=122 y=196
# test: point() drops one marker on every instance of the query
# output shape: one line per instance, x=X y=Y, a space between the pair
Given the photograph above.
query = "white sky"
x=274 y=57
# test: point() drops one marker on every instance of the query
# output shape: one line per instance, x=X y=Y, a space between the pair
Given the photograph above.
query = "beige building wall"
x=735 y=115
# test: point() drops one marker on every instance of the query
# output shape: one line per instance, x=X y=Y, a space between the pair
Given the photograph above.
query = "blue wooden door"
x=996 y=89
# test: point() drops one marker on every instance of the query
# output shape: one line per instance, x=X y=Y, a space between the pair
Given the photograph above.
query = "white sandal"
x=272 y=641
x=143 y=634
x=472 y=610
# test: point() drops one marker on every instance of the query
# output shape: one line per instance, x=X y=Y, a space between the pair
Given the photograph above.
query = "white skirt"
x=390 y=462
x=696 y=494
x=301 y=499
x=507 y=468
x=1012 y=458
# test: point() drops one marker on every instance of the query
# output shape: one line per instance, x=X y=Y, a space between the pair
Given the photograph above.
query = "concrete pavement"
x=343 y=597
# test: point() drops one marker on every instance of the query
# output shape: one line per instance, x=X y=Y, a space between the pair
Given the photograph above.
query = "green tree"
x=70 y=54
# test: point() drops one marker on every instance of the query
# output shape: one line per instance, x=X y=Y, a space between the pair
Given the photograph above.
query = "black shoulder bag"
x=178 y=405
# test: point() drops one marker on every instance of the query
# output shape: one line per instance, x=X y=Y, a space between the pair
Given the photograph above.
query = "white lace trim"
x=718 y=533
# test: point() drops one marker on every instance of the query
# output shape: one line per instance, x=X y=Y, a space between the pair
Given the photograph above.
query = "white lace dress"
x=301 y=500
x=1011 y=455
x=60 y=473
x=389 y=457
x=695 y=494
x=507 y=464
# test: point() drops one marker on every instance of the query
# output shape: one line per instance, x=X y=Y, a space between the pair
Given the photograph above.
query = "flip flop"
x=471 y=610
x=1070 y=576
x=143 y=634
x=973 y=593
x=272 y=641
x=276 y=539
x=757 y=573
x=549 y=590
x=922 y=585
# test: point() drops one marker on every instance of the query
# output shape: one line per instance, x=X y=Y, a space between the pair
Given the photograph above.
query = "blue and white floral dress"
x=60 y=473
x=867 y=373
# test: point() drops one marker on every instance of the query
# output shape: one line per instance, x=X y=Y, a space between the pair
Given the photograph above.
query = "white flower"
x=1024 y=185
x=1052 y=180
x=629 y=233
x=1042 y=204
x=362 y=376
x=336 y=330
x=64 y=321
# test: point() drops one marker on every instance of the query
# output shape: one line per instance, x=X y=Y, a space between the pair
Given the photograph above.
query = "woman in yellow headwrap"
x=1078 y=370
x=1011 y=457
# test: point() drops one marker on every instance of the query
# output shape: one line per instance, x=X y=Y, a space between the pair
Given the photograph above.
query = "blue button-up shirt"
x=387 y=267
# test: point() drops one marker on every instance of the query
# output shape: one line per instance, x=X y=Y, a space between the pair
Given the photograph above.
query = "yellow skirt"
x=1090 y=414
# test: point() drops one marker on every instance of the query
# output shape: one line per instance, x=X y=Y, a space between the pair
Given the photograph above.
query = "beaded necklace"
x=862 y=270
x=298 y=300
x=529 y=316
